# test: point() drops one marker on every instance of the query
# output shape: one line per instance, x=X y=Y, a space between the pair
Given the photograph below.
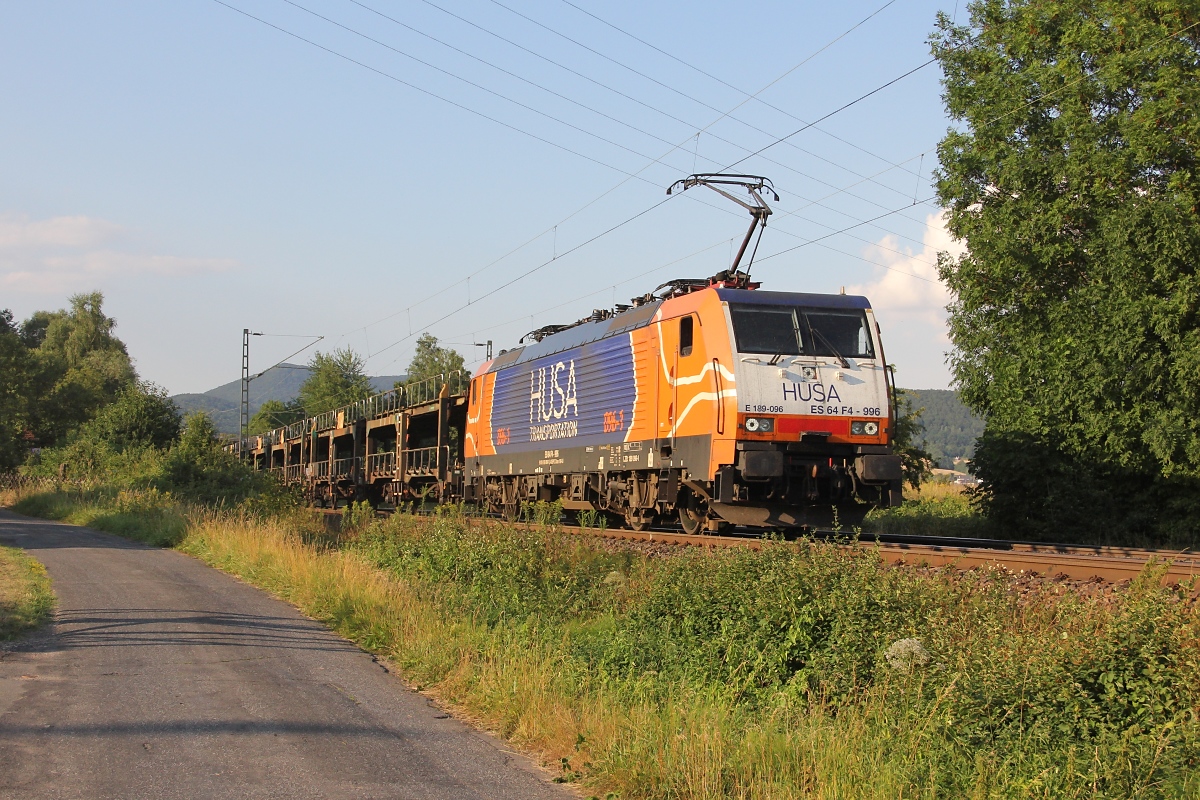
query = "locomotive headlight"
x=758 y=424
x=752 y=424
x=864 y=428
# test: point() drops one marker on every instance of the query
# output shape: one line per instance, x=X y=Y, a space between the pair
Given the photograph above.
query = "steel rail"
x=1073 y=562
x=1053 y=560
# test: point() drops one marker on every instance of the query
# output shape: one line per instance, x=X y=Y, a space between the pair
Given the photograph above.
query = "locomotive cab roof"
x=590 y=330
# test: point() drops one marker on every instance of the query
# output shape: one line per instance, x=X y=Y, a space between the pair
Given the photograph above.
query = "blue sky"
x=209 y=173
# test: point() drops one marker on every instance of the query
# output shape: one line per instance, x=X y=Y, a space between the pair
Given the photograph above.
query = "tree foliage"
x=198 y=468
x=274 y=414
x=906 y=440
x=58 y=369
x=432 y=359
x=1071 y=177
x=16 y=365
x=337 y=379
x=141 y=416
x=79 y=367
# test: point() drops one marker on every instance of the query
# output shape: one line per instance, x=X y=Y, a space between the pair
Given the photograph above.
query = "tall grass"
x=935 y=509
x=26 y=599
x=800 y=671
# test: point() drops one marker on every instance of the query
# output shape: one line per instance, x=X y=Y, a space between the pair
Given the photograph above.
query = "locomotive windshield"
x=793 y=331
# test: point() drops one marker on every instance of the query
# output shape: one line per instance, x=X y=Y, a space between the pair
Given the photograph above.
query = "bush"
x=198 y=469
x=1035 y=490
x=967 y=681
x=142 y=416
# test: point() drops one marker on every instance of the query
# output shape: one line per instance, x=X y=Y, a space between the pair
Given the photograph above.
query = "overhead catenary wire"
x=837 y=110
x=656 y=109
x=500 y=122
x=530 y=108
x=408 y=309
x=756 y=96
x=417 y=88
x=603 y=114
x=683 y=94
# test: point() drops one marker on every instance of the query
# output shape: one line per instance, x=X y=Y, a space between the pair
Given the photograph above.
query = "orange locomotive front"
x=712 y=404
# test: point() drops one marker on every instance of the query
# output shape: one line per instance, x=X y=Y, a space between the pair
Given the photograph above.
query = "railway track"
x=1069 y=561
x=1075 y=562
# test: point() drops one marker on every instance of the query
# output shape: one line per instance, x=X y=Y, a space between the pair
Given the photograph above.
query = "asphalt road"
x=163 y=678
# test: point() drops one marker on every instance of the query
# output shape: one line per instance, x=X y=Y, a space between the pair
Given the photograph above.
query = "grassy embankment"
x=26 y=600
x=937 y=509
x=803 y=670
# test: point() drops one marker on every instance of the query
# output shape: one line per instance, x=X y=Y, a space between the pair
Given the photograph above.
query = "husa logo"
x=548 y=398
x=811 y=392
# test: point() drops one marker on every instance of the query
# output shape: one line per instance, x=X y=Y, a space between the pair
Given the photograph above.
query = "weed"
x=26 y=600
x=593 y=519
x=802 y=670
x=356 y=516
x=542 y=512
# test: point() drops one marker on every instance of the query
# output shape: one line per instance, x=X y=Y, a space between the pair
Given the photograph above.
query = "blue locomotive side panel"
x=583 y=396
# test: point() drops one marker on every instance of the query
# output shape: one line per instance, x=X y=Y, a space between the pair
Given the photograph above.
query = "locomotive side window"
x=685 y=335
x=766 y=329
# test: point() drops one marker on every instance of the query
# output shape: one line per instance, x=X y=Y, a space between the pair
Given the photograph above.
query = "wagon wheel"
x=639 y=519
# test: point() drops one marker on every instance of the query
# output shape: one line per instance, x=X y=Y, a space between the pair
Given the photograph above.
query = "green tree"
x=276 y=414
x=335 y=380
x=905 y=440
x=432 y=359
x=1071 y=176
x=15 y=374
x=141 y=416
x=198 y=468
x=79 y=366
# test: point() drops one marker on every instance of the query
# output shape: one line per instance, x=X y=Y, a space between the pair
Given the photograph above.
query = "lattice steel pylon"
x=244 y=408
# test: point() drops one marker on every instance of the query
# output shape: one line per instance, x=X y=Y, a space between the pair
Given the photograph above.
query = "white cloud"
x=20 y=232
x=62 y=254
x=908 y=286
x=910 y=302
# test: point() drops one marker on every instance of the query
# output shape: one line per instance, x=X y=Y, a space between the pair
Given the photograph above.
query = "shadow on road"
x=146 y=627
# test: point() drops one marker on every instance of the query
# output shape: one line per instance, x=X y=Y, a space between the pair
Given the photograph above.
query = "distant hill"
x=278 y=383
x=950 y=427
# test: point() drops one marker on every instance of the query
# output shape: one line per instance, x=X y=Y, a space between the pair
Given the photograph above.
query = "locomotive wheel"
x=691 y=516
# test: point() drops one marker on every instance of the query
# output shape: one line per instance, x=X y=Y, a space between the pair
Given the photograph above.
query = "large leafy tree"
x=15 y=373
x=80 y=366
x=336 y=379
x=58 y=369
x=430 y=359
x=1071 y=176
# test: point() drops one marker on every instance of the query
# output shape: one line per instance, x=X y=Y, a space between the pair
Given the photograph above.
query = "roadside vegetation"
x=935 y=508
x=805 y=670
x=26 y=600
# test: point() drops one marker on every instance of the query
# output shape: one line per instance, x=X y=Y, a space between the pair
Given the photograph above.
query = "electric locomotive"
x=712 y=401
